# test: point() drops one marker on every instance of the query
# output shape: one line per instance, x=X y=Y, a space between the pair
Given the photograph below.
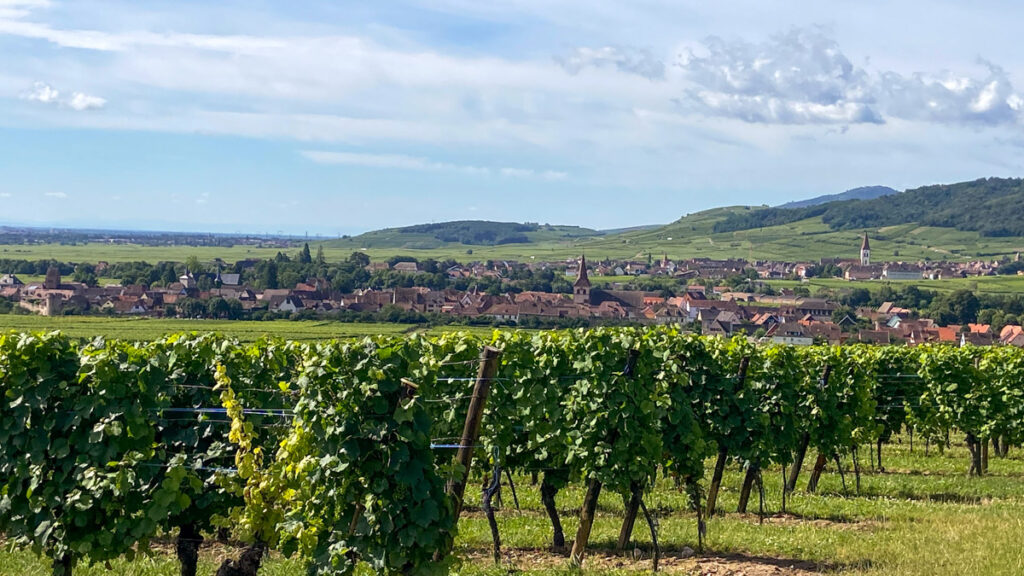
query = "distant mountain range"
x=862 y=193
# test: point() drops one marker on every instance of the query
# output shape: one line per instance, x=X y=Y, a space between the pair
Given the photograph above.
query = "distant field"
x=1007 y=285
x=246 y=331
x=151 y=329
x=96 y=251
x=689 y=237
x=38 y=279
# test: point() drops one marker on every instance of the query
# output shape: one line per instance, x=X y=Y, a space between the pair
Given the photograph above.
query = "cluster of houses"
x=784 y=318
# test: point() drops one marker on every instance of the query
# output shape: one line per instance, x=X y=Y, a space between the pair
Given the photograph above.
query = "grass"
x=129 y=328
x=153 y=328
x=921 y=517
x=1002 y=285
x=689 y=237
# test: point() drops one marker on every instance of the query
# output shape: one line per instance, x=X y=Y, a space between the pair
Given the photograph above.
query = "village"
x=703 y=305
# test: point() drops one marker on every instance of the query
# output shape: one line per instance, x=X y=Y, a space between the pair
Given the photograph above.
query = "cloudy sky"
x=339 y=117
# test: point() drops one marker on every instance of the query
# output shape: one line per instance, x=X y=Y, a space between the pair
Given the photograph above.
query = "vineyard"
x=358 y=454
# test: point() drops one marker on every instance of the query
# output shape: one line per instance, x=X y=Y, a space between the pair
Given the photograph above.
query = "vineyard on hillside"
x=358 y=452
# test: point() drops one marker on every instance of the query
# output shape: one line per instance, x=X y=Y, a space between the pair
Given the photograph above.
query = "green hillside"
x=694 y=236
x=993 y=207
x=961 y=221
x=461 y=235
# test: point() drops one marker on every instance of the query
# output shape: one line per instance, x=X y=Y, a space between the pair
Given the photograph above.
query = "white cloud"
x=42 y=92
x=5 y=194
x=799 y=77
x=111 y=42
x=404 y=162
x=954 y=99
x=55 y=194
x=628 y=60
x=15 y=9
x=396 y=161
x=81 y=102
x=803 y=77
x=530 y=173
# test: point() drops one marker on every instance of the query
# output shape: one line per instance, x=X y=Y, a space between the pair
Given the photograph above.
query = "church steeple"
x=581 y=287
x=865 y=251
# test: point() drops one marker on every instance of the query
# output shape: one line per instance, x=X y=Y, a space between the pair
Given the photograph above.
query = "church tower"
x=865 y=251
x=581 y=287
x=52 y=281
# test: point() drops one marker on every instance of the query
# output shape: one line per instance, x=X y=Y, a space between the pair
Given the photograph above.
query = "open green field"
x=245 y=331
x=688 y=237
x=29 y=279
x=923 y=516
x=153 y=328
x=1004 y=285
x=97 y=251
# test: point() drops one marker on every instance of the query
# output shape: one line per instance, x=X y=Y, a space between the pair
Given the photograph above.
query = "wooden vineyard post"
x=471 y=431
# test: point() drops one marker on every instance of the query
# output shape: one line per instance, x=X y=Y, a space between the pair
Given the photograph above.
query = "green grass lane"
x=923 y=516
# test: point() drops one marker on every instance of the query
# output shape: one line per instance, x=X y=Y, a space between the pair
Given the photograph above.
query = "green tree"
x=304 y=256
x=359 y=258
x=193 y=264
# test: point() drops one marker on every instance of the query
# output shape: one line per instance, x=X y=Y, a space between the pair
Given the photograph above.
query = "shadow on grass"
x=944 y=473
x=602 y=551
x=936 y=497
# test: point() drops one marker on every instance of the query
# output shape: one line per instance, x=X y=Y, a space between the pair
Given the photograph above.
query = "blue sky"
x=340 y=117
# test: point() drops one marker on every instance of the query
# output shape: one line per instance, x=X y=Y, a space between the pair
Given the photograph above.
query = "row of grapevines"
x=330 y=451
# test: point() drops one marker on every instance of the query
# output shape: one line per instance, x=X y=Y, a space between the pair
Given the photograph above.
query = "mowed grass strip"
x=923 y=516
x=146 y=329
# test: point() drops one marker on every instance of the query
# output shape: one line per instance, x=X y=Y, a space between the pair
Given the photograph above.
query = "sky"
x=331 y=117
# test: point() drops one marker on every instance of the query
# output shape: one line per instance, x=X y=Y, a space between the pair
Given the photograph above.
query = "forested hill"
x=471 y=233
x=862 y=193
x=990 y=206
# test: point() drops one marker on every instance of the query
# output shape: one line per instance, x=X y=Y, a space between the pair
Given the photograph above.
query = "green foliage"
x=612 y=408
x=992 y=206
x=958 y=392
x=840 y=412
x=355 y=478
x=104 y=445
x=898 y=388
x=77 y=431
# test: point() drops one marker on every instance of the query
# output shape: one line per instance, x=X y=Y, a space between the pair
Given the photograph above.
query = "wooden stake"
x=471 y=431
